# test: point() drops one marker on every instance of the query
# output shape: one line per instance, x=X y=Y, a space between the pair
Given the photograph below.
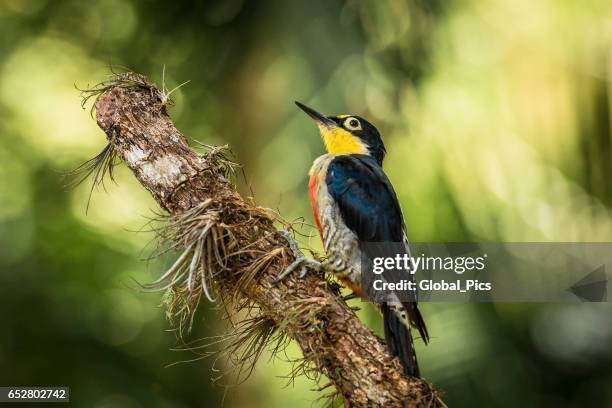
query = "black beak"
x=318 y=117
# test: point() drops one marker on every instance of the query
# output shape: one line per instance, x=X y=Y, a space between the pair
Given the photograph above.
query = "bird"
x=354 y=202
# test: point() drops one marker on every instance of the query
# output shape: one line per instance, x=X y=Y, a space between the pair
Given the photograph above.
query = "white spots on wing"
x=164 y=171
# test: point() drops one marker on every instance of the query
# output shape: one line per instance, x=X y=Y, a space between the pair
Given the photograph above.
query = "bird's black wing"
x=366 y=200
x=369 y=207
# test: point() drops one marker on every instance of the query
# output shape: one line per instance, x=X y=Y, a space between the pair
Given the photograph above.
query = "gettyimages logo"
x=486 y=272
x=404 y=262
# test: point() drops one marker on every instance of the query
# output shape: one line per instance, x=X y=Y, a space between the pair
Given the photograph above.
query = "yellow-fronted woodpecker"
x=353 y=202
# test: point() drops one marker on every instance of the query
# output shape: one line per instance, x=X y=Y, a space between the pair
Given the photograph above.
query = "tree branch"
x=191 y=187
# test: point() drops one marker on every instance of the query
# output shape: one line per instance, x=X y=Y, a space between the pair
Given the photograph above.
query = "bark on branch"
x=133 y=115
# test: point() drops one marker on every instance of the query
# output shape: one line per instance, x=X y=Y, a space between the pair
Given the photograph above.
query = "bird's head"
x=348 y=134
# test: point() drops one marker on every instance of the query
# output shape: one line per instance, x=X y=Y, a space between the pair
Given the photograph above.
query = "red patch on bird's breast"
x=312 y=193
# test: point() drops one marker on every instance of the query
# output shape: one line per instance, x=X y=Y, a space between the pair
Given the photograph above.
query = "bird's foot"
x=300 y=262
x=352 y=296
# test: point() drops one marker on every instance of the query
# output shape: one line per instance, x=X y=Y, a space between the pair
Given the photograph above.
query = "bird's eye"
x=352 y=124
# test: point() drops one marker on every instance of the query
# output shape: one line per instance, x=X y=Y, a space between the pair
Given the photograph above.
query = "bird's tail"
x=397 y=319
x=416 y=319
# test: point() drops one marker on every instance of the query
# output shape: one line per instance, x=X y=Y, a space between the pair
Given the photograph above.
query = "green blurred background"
x=496 y=115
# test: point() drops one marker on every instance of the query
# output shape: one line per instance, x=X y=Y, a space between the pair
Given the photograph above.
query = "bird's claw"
x=351 y=296
x=300 y=260
x=303 y=263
